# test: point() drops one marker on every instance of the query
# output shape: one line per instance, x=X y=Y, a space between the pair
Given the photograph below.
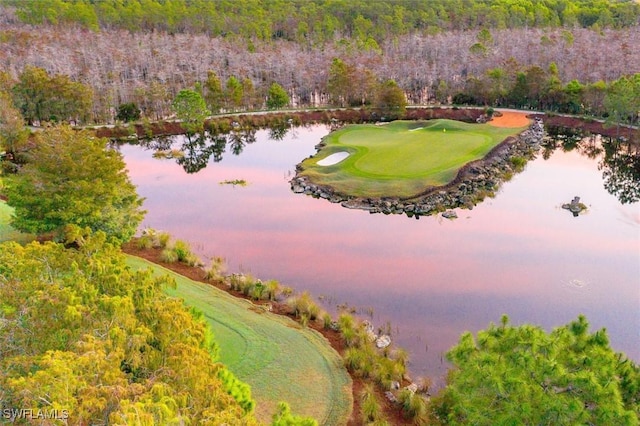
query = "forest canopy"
x=72 y=178
x=524 y=375
x=82 y=332
x=322 y=20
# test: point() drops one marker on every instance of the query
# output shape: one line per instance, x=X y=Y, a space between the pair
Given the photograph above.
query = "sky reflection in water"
x=432 y=278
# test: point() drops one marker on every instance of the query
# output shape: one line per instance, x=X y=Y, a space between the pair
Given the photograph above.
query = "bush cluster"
x=172 y=251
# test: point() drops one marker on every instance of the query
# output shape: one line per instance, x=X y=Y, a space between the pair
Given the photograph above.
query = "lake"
x=430 y=279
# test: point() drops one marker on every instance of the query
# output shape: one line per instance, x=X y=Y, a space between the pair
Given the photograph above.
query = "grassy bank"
x=279 y=359
x=402 y=158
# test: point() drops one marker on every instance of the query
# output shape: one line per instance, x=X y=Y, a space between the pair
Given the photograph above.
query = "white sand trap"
x=333 y=159
x=417 y=128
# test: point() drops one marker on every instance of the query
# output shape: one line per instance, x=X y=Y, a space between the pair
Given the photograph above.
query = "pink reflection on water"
x=518 y=253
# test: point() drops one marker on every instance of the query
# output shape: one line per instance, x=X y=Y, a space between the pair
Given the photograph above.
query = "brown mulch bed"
x=392 y=412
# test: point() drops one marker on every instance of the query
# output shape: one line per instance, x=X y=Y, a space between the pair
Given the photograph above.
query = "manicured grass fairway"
x=402 y=158
x=279 y=359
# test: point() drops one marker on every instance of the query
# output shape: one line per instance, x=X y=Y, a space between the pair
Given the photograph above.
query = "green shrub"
x=283 y=417
x=163 y=239
x=370 y=408
x=304 y=320
x=193 y=260
x=286 y=291
x=272 y=289
x=236 y=281
x=326 y=320
x=352 y=359
x=257 y=290
x=304 y=304
x=145 y=242
x=518 y=162
x=414 y=407
x=182 y=250
x=345 y=322
x=387 y=371
x=240 y=391
x=216 y=270
x=128 y=112
x=168 y=256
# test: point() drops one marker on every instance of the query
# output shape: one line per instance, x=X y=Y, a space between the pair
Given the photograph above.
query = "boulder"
x=575 y=206
x=383 y=341
x=450 y=214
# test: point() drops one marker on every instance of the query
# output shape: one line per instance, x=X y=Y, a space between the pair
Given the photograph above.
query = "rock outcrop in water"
x=575 y=206
x=474 y=181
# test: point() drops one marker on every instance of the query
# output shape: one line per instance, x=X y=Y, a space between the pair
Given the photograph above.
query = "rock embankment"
x=473 y=183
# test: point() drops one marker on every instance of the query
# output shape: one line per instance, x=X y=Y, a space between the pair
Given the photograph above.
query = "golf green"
x=402 y=158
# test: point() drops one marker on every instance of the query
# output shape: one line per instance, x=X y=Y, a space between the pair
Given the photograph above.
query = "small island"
x=417 y=167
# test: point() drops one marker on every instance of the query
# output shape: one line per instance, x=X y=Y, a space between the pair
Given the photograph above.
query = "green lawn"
x=279 y=360
x=402 y=158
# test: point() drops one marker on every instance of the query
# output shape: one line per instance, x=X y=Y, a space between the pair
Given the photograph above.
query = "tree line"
x=321 y=20
x=149 y=69
x=40 y=97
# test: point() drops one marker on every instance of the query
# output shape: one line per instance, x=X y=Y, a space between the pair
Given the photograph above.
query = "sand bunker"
x=333 y=159
x=510 y=119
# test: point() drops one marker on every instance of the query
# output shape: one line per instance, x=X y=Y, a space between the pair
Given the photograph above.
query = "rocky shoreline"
x=474 y=181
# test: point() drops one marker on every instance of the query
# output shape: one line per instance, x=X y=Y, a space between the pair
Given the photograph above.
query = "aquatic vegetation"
x=235 y=182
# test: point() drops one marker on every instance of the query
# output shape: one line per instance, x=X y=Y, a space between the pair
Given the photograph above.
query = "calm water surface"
x=518 y=254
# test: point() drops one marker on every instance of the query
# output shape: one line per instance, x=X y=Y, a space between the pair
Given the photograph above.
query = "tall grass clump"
x=272 y=290
x=371 y=412
x=518 y=163
x=163 y=239
x=168 y=255
x=145 y=242
x=258 y=290
x=361 y=361
x=182 y=250
x=387 y=371
x=151 y=238
x=327 y=320
x=242 y=283
x=414 y=407
x=304 y=305
x=216 y=270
